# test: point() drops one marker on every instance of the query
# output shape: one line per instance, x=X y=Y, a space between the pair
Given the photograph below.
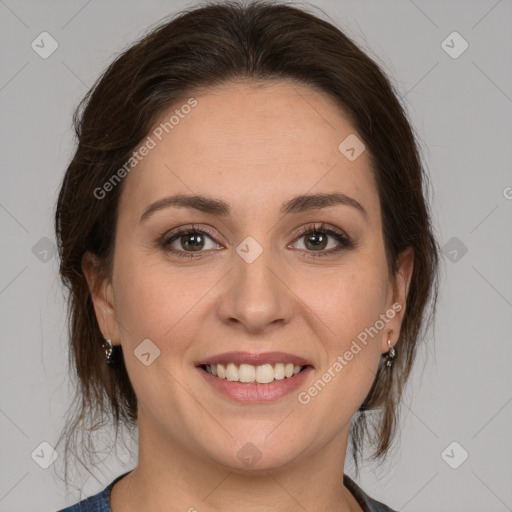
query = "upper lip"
x=255 y=359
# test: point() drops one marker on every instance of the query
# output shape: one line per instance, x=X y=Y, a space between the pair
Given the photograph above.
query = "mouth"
x=250 y=368
x=251 y=374
x=255 y=378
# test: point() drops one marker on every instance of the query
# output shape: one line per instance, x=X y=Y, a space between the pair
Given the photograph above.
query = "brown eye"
x=192 y=240
x=185 y=241
x=317 y=240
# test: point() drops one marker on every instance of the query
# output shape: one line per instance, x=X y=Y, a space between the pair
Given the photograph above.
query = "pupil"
x=317 y=240
x=195 y=238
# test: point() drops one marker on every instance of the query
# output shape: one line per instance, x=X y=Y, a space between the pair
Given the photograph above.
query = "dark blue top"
x=101 y=502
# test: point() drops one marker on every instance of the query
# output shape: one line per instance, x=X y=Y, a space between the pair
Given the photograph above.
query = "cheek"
x=348 y=307
x=157 y=301
x=347 y=311
x=152 y=305
x=146 y=304
x=348 y=299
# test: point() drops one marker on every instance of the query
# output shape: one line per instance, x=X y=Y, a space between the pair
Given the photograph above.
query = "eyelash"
x=342 y=238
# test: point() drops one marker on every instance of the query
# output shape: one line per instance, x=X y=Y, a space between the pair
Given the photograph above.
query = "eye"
x=189 y=239
x=316 y=239
x=186 y=241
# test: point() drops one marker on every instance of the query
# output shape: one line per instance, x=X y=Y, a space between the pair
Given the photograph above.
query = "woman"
x=248 y=249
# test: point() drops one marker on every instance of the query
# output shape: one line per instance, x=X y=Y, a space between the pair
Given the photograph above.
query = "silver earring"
x=390 y=355
x=109 y=348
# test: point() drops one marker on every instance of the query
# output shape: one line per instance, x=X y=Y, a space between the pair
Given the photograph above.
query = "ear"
x=400 y=290
x=102 y=297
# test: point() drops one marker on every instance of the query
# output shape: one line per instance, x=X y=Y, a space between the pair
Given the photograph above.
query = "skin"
x=253 y=147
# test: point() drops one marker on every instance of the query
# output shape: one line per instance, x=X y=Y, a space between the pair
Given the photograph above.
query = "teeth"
x=263 y=374
x=246 y=372
x=232 y=372
x=279 y=371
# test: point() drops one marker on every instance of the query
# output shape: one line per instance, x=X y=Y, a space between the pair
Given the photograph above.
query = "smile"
x=248 y=373
x=255 y=392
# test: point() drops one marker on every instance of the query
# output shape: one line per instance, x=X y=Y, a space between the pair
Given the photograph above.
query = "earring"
x=109 y=352
x=390 y=355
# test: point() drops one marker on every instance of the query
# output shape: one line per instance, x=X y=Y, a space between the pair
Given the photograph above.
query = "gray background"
x=461 y=108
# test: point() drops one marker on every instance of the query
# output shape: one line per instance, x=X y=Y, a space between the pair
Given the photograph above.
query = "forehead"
x=251 y=145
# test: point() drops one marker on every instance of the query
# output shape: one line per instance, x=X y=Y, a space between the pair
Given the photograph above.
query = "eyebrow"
x=297 y=204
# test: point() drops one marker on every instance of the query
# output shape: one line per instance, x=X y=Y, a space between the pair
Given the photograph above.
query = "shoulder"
x=97 y=503
x=367 y=504
x=377 y=506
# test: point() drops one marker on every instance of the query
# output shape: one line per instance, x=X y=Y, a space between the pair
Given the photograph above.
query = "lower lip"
x=255 y=393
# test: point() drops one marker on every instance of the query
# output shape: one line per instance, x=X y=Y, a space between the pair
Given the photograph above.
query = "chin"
x=249 y=457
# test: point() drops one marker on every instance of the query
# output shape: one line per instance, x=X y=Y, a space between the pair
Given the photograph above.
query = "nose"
x=256 y=295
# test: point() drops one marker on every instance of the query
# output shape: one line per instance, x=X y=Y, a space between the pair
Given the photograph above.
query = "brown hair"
x=199 y=48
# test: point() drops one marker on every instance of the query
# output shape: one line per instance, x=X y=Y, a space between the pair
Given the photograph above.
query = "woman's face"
x=255 y=282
